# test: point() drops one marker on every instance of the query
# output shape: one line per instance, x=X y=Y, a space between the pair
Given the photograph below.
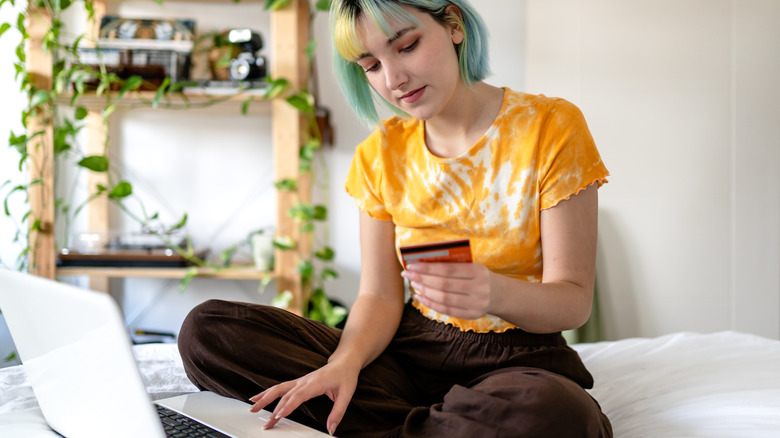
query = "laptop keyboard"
x=180 y=426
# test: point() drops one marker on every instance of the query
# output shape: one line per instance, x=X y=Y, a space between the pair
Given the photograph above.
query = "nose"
x=395 y=76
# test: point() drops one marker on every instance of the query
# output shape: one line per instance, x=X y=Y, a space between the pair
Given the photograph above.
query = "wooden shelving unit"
x=233 y=272
x=289 y=36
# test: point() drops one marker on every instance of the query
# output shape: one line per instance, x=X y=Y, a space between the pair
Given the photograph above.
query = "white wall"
x=676 y=242
x=682 y=98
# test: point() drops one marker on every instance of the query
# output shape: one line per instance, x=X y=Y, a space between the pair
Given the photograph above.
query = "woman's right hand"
x=373 y=320
x=335 y=380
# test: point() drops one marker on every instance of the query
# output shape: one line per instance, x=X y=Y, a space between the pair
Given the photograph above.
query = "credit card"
x=449 y=251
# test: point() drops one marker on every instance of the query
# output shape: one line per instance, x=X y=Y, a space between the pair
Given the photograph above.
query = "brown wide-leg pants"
x=432 y=381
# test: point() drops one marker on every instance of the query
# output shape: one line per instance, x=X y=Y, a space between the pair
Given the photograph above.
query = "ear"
x=454 y=20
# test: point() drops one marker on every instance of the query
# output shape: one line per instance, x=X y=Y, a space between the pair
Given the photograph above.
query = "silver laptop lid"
x=75 y=350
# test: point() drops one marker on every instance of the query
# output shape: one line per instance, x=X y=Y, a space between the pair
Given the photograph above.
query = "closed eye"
x=410 y=47
x=372 y=67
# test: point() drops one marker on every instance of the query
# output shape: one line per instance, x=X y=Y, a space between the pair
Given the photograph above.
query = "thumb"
x=337 y=413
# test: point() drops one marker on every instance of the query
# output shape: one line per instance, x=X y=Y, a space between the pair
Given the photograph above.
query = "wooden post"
x=290 y=30
x=41 y=150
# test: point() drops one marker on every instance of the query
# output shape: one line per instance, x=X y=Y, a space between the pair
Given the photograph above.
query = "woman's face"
x=416 y=69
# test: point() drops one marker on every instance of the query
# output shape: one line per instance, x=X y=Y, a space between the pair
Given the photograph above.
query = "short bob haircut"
x=344 y=16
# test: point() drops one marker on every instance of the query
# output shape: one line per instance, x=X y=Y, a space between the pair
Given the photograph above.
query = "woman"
x=477 y=350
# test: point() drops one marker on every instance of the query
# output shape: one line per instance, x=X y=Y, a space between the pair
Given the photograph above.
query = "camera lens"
x=240 y=68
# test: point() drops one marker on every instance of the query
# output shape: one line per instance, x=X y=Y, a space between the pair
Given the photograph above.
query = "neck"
x=468 y=117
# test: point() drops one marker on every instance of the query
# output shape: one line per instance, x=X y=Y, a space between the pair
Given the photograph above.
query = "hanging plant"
x=73 y=80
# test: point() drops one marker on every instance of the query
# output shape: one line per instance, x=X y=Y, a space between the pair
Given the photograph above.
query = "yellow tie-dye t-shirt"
x=536 y=153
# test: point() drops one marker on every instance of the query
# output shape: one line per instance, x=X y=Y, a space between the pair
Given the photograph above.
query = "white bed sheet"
x=20 y=417
x=688 y=385
x=720 y=385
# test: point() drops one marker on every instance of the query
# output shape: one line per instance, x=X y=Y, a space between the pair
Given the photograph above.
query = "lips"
x=413 y=96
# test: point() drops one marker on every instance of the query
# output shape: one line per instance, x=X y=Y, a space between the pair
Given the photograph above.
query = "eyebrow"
x=390 y=41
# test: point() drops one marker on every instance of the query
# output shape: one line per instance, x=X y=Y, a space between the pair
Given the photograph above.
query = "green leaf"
x=189 y=274
x=282 y=300
x=320 y=213
x=301 y=102
x=329 y=274
x=245 y=106
x=275 y=87
x=81 y=113
x=75 y=46
x=313 y=143
x=301 y=212
x=95 y=163
x=336 y=315
x=316 y=315
x=121 y=190
x=39 y=98
x=132 y=83
x=284 y=242
x=226 y=255
x=275 y=5
x=108 y=110
x=307 y=227
x=319 y=300
x=311 y=49
x=4 y=27
x=225 y=60
x=264 y=282
x=323 y=5
x=10 y=357
x=287 y=185
x=18 y=188
x=307 y=152
x=160 y=92
x=325 y=253
x=19 y=142
x=181 y=223
x=102 y=86
x=306 y=269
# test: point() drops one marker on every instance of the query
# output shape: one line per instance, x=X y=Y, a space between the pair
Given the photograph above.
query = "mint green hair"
x=344 y=17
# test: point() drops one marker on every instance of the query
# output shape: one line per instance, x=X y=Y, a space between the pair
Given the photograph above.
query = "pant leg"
x=239 y=349
x=513 y=384
x=512 y=402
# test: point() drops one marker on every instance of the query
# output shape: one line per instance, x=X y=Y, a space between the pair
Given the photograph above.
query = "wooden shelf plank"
x=234 y=273
x=192 y=102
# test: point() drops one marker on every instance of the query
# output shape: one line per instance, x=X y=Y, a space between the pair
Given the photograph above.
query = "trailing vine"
x=71 y=81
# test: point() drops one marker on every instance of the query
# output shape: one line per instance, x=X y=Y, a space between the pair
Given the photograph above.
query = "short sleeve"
x=364 y=179
x=569 y=159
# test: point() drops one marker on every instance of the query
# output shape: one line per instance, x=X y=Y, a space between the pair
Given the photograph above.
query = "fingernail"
x=331 y=429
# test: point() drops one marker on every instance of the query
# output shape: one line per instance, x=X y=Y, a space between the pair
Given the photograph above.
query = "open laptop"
x=76 y=352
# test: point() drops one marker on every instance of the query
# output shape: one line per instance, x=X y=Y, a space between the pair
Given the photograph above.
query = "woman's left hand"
x=460 y=290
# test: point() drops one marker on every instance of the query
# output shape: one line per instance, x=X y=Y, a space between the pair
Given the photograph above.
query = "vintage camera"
x=247 y=65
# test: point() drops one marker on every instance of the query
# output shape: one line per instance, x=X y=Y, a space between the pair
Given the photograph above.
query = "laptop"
x=76 y=352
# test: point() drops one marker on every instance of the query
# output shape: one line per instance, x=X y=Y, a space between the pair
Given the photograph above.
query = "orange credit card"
x=450 y=251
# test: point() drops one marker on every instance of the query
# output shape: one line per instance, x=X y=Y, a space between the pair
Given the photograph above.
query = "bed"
x=724 y=384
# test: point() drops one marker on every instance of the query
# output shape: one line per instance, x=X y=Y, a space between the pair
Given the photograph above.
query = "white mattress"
x=681 y=385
